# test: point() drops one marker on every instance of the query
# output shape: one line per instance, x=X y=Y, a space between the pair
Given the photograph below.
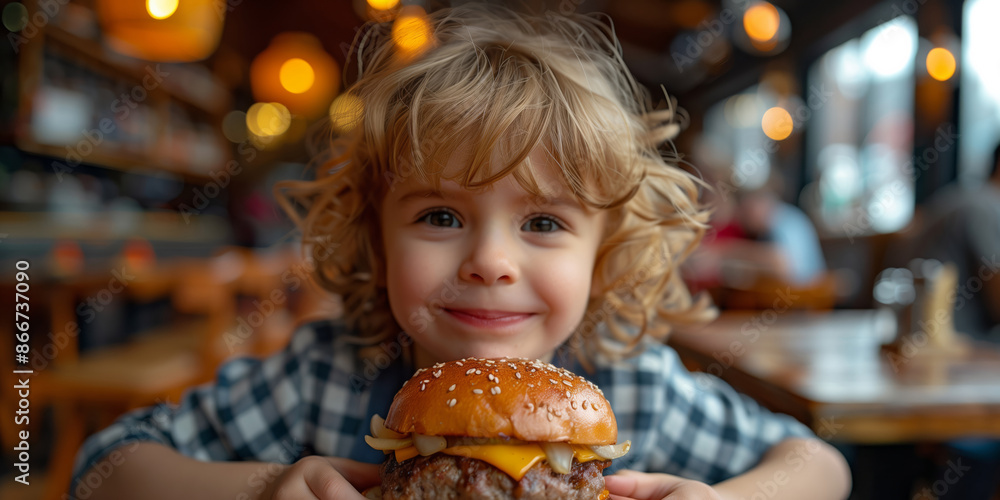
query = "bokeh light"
x=161 y=9
x=268 y=119
x=940 y=64
x=383 y=4
x=234 y=126
x=15 y=16
x=411 y=32
x=777 y=123
x=296 y=71
x=761 y=22
x=296 y=75
x=160 y=30
x=346 y=112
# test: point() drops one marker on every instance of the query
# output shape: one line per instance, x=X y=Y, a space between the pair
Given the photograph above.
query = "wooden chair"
x=154 y=366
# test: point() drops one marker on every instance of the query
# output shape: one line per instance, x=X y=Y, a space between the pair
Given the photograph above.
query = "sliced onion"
x=380 y=431
x=560 y=456
x=612 y=451
x=429 y=445
x=387 y=444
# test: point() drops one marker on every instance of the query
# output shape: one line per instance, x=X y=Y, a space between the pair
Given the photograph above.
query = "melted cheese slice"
x=515 y=459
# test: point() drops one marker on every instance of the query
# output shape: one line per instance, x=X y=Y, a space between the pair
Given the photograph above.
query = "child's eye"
x=440 y=218
x=542 y=224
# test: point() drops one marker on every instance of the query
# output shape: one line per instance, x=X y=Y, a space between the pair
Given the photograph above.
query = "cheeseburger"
x=496 y=428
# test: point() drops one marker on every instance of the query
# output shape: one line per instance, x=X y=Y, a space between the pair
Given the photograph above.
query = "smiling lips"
x=487 y=318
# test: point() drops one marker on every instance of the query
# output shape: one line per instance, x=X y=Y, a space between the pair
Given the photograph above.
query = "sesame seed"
x=452 y=402
x=425 y=381
x=437 y=374
x=517 y=374
x=478 y=372
x=452 y=388
x=470 y=371
x=491 y=377
x=572 y=404
x=584 y=404
x=567 y=382
x=495 y=390
x=459 y=363
x=531 y=407
x=477 y=391
x=531 y=385
x=553 y=381
x=422 y=387
x=567 y=394
x=549 y=417
x=512 y=366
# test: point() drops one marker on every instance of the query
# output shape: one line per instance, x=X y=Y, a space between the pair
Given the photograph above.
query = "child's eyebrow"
x=527 y=200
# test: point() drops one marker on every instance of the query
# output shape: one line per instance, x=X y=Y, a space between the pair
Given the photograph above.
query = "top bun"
x=504 y=397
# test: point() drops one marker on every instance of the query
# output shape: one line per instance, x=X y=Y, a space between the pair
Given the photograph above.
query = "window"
x=859 y=142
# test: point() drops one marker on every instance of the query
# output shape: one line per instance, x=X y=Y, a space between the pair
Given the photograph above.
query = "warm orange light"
x=67 y=257
x=940 y=64
x=161 y=30
x=383 y=4
x=138 y=254
x=777 y=123
x=161 y=9
x=411 y=31
x=761 y=22
x=296 y=75
x=295 y=71
x=345 y=112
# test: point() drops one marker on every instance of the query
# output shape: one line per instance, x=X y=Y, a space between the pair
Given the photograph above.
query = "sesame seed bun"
x=505 y=397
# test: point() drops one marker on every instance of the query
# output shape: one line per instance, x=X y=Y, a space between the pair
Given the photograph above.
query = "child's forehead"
x=539 y=175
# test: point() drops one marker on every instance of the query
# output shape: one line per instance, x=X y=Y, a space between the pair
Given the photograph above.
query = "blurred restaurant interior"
x=849 y=146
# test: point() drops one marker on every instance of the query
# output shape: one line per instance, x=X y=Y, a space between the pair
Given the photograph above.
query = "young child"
x=503 y=195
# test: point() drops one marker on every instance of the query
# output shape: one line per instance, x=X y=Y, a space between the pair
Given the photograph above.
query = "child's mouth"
x=487 y=318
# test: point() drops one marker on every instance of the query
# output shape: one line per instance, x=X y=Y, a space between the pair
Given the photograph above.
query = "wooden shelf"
x=99 y=226
x=171 y=132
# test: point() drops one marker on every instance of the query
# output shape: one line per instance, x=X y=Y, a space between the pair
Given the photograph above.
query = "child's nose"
x=490 y=260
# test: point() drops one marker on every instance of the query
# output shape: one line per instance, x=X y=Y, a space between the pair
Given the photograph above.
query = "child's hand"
x=629 y=484
x=322 y=478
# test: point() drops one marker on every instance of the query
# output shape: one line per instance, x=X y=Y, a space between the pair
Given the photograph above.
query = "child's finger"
x=641 y=486
x=326 y=483
x=361 y=475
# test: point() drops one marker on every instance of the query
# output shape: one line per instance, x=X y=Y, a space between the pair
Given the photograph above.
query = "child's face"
x=489 y=273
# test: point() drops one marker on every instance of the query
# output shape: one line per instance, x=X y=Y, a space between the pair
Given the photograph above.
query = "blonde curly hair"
x=515 y=82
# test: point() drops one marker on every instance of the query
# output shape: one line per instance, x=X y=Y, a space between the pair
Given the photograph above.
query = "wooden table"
x=827 y=370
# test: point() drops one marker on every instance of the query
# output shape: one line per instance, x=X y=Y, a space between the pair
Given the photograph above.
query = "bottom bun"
x=448 y=476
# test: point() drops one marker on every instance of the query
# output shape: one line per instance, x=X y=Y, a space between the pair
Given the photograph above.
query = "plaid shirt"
x=318 y=395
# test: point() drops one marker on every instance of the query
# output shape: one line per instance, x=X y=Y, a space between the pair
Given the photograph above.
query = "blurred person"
x=962 y=225
x=502 y=190
x=756 y=233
